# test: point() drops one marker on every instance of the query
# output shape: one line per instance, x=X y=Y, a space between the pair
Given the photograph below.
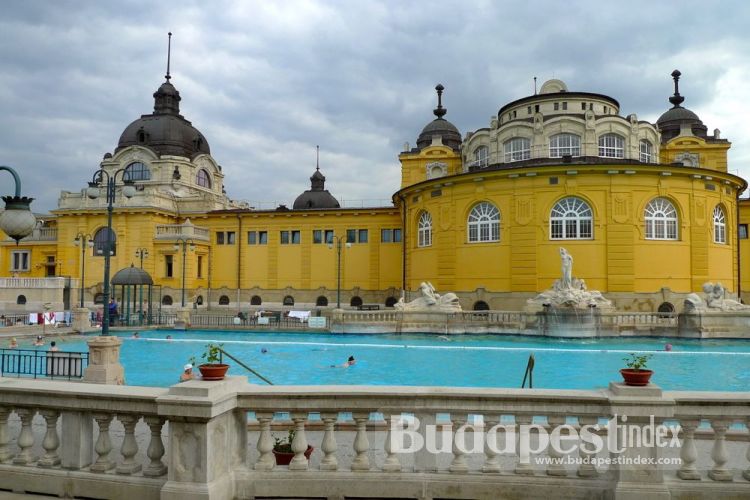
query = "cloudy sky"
x=265 y=81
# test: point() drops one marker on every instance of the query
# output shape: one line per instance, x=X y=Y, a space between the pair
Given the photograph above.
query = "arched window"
x=424 y=230
x=390 y=301
x=223 y=300
x=99 y=298
x=481 y=156
x=321 y=301
x=665 y=309
x=203 y=179
x=356 y=301
x=199 y=300
x=516 y=149
x=136 y=171
x=481 y=305
x=288 y=300
x=612 y=146
x=21 y=300
x=564 y=144
x=647 y=151
x=571 y=219
x=484 y=223
x=720 y=225
x=100 y=242
x=661 y=220
x=255 y=300
x=166 y=300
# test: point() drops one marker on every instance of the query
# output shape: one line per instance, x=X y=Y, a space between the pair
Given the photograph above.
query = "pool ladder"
x=243 y=365
x=529 y=373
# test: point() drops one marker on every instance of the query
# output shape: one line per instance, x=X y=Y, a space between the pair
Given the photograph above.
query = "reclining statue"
x=430 y=300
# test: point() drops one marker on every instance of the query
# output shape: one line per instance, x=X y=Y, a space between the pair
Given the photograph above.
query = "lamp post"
x=141 y=253
x=339 y=244
x=85 y=241
x=17 y=221
x=110 y=186
x=184 y=242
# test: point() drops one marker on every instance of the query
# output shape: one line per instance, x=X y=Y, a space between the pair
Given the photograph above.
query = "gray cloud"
x=267 y=81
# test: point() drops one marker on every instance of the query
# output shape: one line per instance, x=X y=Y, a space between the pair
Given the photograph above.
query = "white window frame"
x=661 y=220
x=424 y=230
x=481 y=156
x=720 y=226
x=564 y=144
x=483 y=224
x=204 y=180
x=137 y=171
x=20 y=261
x=611 y=146
x=571 y=219
x=517 y=149
x=646 y=150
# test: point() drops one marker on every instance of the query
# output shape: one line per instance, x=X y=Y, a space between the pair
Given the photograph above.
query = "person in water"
x=349 y=362
x=187 y=373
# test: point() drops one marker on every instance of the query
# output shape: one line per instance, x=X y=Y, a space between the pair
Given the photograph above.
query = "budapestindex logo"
x=616 y=436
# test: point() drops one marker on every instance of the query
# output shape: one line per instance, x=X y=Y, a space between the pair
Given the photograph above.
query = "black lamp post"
x=17 y=221
x=184 y=242
x=85 y=241
x=110 y=186
x=339 y=244
x=141 y=253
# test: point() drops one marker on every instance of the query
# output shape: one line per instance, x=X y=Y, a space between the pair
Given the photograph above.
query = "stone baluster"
x=688 y=454
x=586 y=468
x=103 y=444
x=491 y=461
x=299 y=443
x=392 y=463
x=51 y=440
x=5 y=453
x=155 y=450
x=746 y=472
x=129 y=445
x=26 y=438
x=523 y=466
x=266 y=459
x=361 y=444
x=459 y=464
x=719 y=452
x=555 y=467
x=329 y=446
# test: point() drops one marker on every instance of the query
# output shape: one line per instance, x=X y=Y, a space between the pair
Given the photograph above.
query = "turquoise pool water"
x=462 y=361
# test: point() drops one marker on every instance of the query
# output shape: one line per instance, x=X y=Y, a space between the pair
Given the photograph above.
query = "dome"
x=440 y=126
x=317 y=196
x=672 y=122
x=165 y=131
x=132 y=276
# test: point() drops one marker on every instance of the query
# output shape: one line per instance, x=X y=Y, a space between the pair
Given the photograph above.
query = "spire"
x=440 y=110
x=317 y=158
x=317 y=180
x=676 y=99
x=169 y=54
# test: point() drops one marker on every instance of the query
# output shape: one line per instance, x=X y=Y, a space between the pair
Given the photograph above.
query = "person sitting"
x=187 y=373
x=53 y=346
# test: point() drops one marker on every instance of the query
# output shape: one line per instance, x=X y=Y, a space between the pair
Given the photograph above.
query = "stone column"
x=207 y=438
x=104 y=361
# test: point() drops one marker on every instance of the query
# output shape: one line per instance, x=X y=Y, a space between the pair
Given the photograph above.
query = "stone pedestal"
x=182 y=320
x=104 y=361
x=81 y=323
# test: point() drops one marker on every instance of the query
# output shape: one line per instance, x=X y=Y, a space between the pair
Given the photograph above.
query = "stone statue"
x=715 y=298
x=430 y=300
x=567 y=269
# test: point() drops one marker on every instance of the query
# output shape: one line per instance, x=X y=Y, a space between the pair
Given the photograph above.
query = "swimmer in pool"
x=349 y=362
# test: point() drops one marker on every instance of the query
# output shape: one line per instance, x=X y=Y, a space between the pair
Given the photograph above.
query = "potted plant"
x=282 y=449
x=636 y=373
x=213 y=368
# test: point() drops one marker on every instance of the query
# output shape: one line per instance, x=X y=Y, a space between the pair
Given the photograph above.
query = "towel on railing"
x=301 y=315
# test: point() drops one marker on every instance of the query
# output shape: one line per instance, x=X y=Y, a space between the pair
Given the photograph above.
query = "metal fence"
x=48 y=364
x=274 y=321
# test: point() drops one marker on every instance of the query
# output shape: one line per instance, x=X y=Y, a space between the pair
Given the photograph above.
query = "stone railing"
x=221 y=438
x=176 y=231
x=26 y=283
x=39 y=234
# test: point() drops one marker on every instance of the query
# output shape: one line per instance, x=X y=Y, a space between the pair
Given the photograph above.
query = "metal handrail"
x=243 y=365
x=529 y=372
x=35 y=363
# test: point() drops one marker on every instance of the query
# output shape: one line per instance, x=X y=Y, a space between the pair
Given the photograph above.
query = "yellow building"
x=648 y=211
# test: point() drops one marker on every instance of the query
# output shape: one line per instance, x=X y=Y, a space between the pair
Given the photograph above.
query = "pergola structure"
x=132 y=279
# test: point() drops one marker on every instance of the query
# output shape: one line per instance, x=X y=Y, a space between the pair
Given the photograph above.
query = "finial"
x=317 y=158
x=169 y=54
x=534 y=85
x=676 y=99
x=440 y=110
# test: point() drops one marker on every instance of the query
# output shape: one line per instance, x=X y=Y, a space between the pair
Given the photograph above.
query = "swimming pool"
x=461 y=361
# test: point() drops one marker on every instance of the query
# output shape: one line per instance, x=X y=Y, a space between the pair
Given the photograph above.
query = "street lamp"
x=141 y=253
x=128 y=190
x=185 y=242
x=17 y=221
x=339 y=240
x=85 y=241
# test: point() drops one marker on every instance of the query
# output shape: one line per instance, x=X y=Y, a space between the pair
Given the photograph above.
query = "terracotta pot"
x=213 y=371
x=637 y=378
x=284 y=457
